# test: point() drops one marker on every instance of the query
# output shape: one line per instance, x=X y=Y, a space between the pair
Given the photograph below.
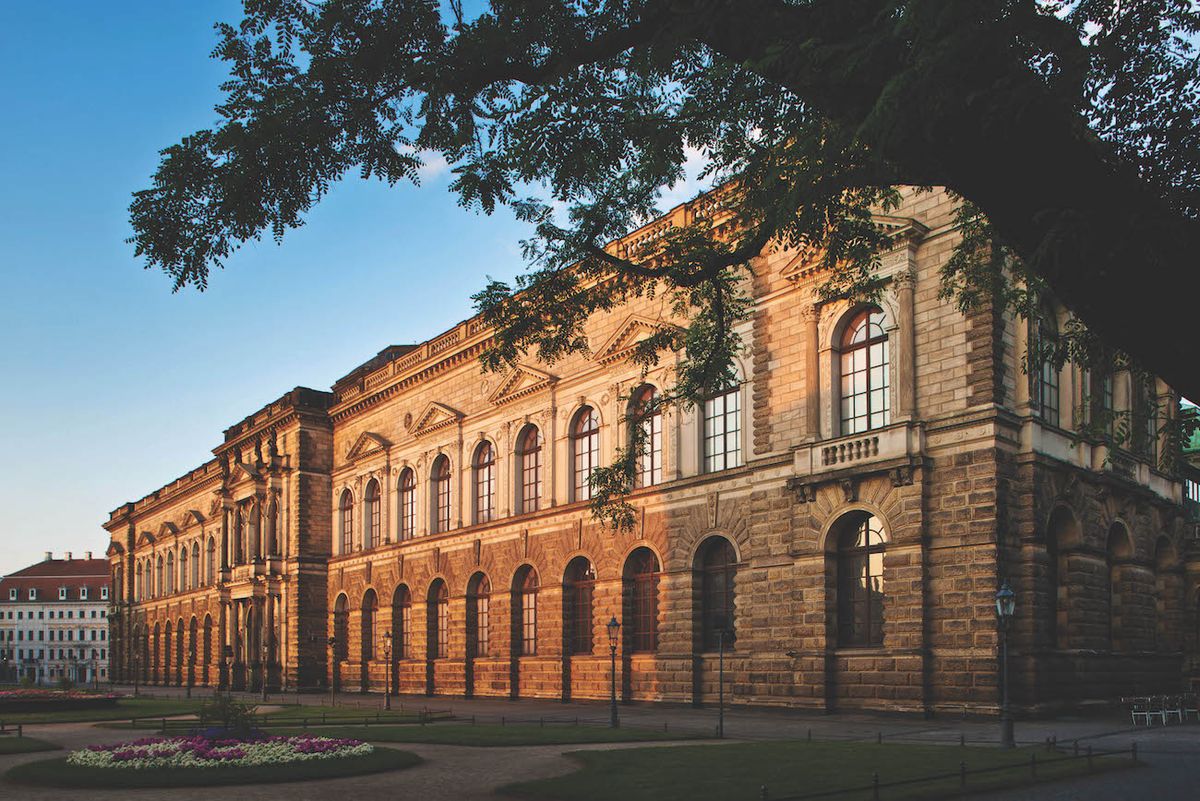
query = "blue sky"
x=113 y=385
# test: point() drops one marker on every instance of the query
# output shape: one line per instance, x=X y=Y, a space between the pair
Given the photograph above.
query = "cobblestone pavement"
x=467 y=774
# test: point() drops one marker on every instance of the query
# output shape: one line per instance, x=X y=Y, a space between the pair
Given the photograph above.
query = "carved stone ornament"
x=849 y=489
x=901 y=476
x=806 y=492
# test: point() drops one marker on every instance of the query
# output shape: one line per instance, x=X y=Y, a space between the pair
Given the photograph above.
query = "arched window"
x=341 y=628
x=1100 y=401
x=479 y=615
x=441 y=494
x=196 y=576
x=183 y=569
x=861 y=542
x=529 y=450
x=716 y=569
x=579 y=583
x=648 y=418
x=524 y=612
x=640 y=602
x=212 y=560
x=439 y=620
x=1119 y=551
x=402 y=622
x=1046 y=393
x=274 y=529
x=370 y=605
x=1143 y=412
x=1062 y=533
x=346 y=521
x=408 y=504
x=1167 y=592
x=865 y=395
x=137 y=582
x=723 y=430
x=371 y=515
x=170 y=586
x=585 y=451
x=253 y=532
x=239 y=538
x=484 y=468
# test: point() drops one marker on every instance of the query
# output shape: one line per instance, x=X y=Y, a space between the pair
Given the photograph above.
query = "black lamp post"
x=1006 y=602
x=332 y=671
x=614 y=632
x=387 y=674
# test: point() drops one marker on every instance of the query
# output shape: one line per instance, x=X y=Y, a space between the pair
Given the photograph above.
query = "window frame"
x=718 y=593
x=861 y=617
x=579 y=606
x=407 y=519
x=440 y=478
x=846 y=350
x=727 y=458
x=585 y=451
x=346 y=521
x=372 y=512
x=649 y=469
x=483 y=474
x=529 y=475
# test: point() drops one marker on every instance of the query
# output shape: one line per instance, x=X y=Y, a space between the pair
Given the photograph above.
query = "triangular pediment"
x=367 y=444
x=145 y=538
x=520 y=382
x=628 y=334
x=114 y=548
x=167 y=529
x=434 y=417
x=805 y=261
x=193 y=516
x=243 y=470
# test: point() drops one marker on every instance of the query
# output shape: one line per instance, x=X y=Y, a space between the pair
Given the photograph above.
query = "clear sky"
x=114 y=386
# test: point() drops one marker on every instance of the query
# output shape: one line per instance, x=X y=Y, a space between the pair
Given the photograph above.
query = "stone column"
x=906 y=385
x=812 y=374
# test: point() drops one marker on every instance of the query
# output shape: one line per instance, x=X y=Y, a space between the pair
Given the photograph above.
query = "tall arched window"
x=439 y=620
x=271 y=525
x=183 y=569
x=479 y=615
x=524 y=611
x=640 y=602
x=1167 y=592
x=170 y=585
x=648 y=419
x=1119 y=551
x=715 y=572
x=1143 y=413
x=402 y=622
x=370 y=605
x=1100 y=401
x=529 y=450
x=138 y=587
x=585 y=451
x=341 y=628
x=408 y=504
x=239 y=538
x=441 y=494
x=1046 y=395
x=346 y=521
x=196 y=575
x=579 y=584
x=212 y=561
x=372 y=524
x=483 y=466
x=861 y=542
x=865 y=395
x=723 y=430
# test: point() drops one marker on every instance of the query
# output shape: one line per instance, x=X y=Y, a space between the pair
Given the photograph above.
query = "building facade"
x=834 y=526
x=54 y=621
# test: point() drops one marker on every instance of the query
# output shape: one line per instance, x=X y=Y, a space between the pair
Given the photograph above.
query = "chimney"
x=48 y=557
x=87 y=555
x=67 y=556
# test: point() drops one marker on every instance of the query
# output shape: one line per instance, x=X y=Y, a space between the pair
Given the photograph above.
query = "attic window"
x=33 y=593
x=62 y=593
x=83 y=593
x=103 y=594
x=12 y=593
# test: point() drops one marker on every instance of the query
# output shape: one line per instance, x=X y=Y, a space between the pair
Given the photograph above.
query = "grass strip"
x=57 y=773
x=24 y=745
x=495 y=735
x=740 y=770
x=125 y=709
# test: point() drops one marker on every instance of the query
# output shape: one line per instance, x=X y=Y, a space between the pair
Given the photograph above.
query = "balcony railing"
x=902 y=440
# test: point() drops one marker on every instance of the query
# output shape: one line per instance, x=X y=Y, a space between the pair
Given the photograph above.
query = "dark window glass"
x=1046 y=392
x=641 y=601
x=525 y=592
x=717 y=567
x=585 y=449
x=578 y=588
x=530 y=450
x=346 y=509
x=371 y=509
x=479 y=616
x=860 y=552
x=865 y=395
x=441 y=494
x=401 y=622
x=723 y=431
x=408 y=504
x=649 y=468
x=485 y=482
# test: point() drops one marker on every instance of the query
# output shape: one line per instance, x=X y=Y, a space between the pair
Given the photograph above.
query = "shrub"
x=229 y=714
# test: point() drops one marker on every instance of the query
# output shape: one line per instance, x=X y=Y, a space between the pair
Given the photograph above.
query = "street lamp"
x=387 y=674
x=614 y=631
x=1006 y=602
x=332 y=672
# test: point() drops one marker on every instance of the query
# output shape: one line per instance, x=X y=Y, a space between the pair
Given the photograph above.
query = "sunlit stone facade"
x=837 y=524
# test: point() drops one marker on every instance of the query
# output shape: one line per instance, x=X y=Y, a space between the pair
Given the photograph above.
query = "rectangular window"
x=529 y=623
x=62 y=593
x=723 y=431
x=33 y=593
x=405 y=632
x=482 y=625
x=645 y=613
x=443 y=632
x=650 y=463
x=83 y=593
x=12 y=594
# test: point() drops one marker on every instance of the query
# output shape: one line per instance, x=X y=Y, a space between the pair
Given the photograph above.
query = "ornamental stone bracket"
x=896 y=450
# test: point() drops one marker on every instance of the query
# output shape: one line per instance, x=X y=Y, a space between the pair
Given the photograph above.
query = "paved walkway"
x=453 y=773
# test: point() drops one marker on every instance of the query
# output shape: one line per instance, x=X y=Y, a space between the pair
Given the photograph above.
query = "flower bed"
x=38 y=700
x=202 y=752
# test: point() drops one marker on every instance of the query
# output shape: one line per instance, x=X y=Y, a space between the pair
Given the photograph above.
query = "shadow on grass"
x=24 y=745
x=494 y=735
x=57 y=773
x=844 y=770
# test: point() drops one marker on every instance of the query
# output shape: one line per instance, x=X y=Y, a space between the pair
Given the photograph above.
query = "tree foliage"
x=1068 y=126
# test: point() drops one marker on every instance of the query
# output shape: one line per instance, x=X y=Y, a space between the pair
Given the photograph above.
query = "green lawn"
x=494 y=734
x=740 y=770
x=10 y=744
x=290 y=715
x=57 y=773
x=126 y=708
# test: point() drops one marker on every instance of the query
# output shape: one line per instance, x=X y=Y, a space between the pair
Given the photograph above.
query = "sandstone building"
x=838 y=522
x=54 y=621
